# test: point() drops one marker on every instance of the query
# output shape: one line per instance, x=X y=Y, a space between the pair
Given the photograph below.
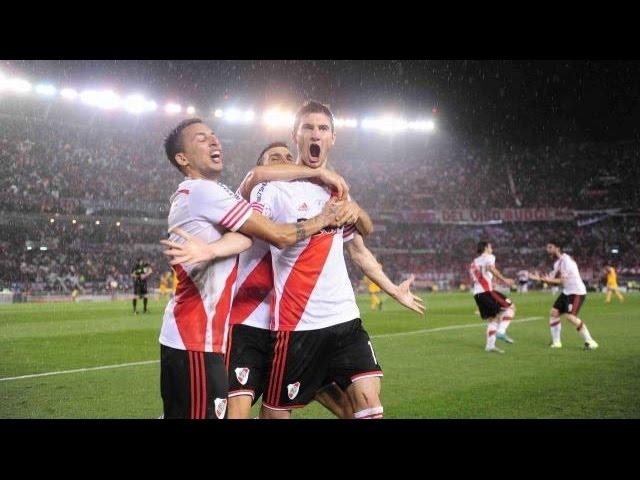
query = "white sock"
x=492 y=328
x=584 y=331
x=555 y=326
x=505 y=320
x=369 y=413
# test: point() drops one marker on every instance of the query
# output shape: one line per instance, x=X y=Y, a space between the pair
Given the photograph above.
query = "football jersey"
x=255 y=286
x=612 y=278
x=197 y=317
x=480 y=273
x=312 y=289
x=568 y=268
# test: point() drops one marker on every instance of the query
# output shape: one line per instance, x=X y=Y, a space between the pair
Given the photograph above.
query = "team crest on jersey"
x=293 y=389
x=303 y=207
x=220 y=407
x=242 y=374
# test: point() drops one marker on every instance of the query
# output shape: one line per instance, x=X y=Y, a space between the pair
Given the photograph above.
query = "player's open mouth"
x=216 y=156
x=314 y=150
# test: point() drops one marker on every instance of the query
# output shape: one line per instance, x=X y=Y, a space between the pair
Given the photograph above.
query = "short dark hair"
x=173 y=143
x=312 y=106
x=557 y=242
x=482 y=245
x=269 y=147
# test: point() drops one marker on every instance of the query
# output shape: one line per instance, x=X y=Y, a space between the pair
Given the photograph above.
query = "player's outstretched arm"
x=286 y=172
x=282 y=235
x=496 y=272
x=196 y=250
x=546 y=278
x=363 y=257
x=353 y=213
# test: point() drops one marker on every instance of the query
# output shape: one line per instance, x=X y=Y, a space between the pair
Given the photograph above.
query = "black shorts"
x=140 y=287
x=193 y=384
x=491 y=303
x=569 y=303
x=305 y=361
x=248 y=360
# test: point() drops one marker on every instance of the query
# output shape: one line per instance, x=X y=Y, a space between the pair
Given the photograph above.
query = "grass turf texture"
x=441 y=373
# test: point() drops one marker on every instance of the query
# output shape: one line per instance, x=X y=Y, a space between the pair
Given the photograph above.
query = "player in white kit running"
x=494 y=307
x=566 y=274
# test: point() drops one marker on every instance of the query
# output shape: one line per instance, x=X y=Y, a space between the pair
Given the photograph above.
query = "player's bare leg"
x=505 y=318
x=617 y=292
x=608 y=298
x=239 y=407
x=334 y=399
x=581 y=327
x=364 y=395
x=555 y=326
x=271 y=414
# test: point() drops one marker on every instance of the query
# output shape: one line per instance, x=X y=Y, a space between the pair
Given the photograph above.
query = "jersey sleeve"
x=265 y=199
x=217 y=204
x=491 y=260
x=348 y=232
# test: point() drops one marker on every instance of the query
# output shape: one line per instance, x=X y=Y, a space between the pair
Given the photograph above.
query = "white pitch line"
x=148 y=362
x=451 y=327
x=77 y=370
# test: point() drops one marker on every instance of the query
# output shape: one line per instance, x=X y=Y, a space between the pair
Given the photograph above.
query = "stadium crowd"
x=60 y=169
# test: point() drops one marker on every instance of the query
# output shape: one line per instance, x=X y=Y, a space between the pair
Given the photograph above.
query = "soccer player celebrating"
x=494 y=307
x=193 y=337
x=612 y=284
x=570 y=300
x=140 y=273
x=250 y=342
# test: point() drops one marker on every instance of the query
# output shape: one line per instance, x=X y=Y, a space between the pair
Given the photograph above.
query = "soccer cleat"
x=592 y=345
x=504 y=337
x=493 y=350
x=556 y=345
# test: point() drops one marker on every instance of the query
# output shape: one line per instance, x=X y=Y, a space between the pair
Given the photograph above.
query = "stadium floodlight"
x=218 y=113
x=138 y=104
x=385 y=124
x=614 y=250
x=235 y=115
x=97 y=222
x=105 y=99
x=69 y=93
x=172 y=108
x=274 y=117
x=46 y=89
x=15 y=85
x=117 y=224
x=43 y=248
x=74 y=221
x=345 y=122
x=422 y=125
x=191 y=110
x=51 y=220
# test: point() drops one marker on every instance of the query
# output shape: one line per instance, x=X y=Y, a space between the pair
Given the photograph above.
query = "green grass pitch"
x=435 y=366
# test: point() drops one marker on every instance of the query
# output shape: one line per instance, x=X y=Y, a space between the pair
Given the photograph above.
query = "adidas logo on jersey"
x=292 y=390
x=242 y=374
x=220 y=407
x=304 y=207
